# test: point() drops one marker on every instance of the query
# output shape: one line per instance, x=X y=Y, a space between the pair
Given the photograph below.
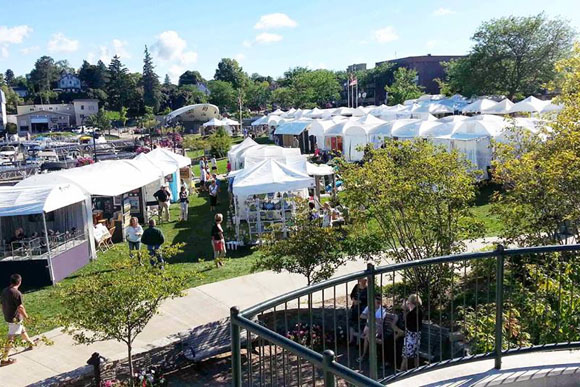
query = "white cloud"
x=239 y=57
x=169 y=46
x=60 y=43
x=386 y=35
x=267 y=37
x=175 y=72
x=247 y=43
x=4 y=52
x=14 y=35
x=120 y=48
x=443 y=12
x=188 y=57
x=275 y=20
x=432 y=43
x=29 y=50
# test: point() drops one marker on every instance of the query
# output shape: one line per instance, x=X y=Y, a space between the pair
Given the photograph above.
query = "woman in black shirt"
x=413 y=325
x=217 y=240
x=358 y=297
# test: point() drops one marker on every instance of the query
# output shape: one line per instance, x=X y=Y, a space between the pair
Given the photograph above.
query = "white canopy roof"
x=481 y=126
x=502 y=107
x=293 y=128
x=230 y=122
x=385 y=129
x=214 y=122
x=165 y=160
x=260 y=121
x=319 y=169
x=236 y=150
x=318 y=127
x=432 y=108
x=105 y=178
x=413 y=129
x=529 y=105
x=38 y=199
x=343 y=111
x=316 y=113
x=276 y=112
x=265 y=151
x=273 y=120
x=270 y=176
x=479 y=106
x=552 y=107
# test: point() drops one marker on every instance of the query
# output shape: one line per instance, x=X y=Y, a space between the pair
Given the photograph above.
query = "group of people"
x=331 y=217
x=399 y=333
x=152 y=237
x=209 y=181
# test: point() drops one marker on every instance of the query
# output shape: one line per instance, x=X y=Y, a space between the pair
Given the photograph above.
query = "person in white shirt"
x=380 y=313
x=213 y=165
x=133 y=234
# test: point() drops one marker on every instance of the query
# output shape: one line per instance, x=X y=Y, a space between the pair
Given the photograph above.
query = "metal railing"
x=476 y=306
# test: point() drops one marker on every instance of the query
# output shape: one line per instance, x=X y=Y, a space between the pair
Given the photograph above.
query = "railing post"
x=327 y=359
x=499 y=306
x=236 y=348
x=371 y=321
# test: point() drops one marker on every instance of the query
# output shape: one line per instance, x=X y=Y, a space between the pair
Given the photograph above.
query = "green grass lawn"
x=482 y=210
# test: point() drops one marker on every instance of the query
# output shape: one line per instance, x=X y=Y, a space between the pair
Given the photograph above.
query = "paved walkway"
x=199 y=306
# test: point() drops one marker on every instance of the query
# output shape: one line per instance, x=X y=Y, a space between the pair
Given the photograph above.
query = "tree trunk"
x=130 y=360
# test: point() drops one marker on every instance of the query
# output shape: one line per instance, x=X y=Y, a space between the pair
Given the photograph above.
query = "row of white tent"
x=417 y=108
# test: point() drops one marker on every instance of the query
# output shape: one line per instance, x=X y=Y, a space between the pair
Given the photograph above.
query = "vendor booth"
x=176 y=171
x=234 y=154
x=295 y=135
x=263 y=196
x=116 y=188
x=46 y=233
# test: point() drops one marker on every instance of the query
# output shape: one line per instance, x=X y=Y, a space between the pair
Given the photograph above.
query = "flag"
x=353 y=81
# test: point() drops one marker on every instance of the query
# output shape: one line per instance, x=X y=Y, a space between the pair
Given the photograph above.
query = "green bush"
x=220 y=143
x=11 y=128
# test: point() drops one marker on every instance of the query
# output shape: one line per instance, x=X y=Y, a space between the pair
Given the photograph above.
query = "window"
x=82 y=107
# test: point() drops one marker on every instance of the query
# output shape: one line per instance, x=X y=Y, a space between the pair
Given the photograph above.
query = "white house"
x=2 y=110
x=69 y=82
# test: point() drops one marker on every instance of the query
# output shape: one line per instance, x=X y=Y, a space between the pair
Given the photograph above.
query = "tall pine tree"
x=151 y=85
x=117 y=84
x=167 y=81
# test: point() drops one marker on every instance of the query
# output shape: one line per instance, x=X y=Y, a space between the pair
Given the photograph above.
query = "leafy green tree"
x=404 y=86
x=223 y=95
x=512 y=55
x=117 y=304
x=190 y=78
x=418 y=195
x=230 y=71
x=195 y=142
x=283 y=97
x=167 y=80
x=94 y=76
x=123 y=116
x=100 y=120
x=12 y=99
x=315 y=88
x=258 y=95
x=151 y=86
x=289 y=76
x=310 y=250
x=148 y=121
x=44 y=75
x=541 y=203
x=9 y=77
x=219 y=143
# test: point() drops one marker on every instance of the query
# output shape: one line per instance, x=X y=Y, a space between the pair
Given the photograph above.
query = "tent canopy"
x=502 y=107
x=293 y=128
x=479 y=106
x=529 y=105
x=165 y=160
x=214 y=122
x=260 y=121
x=38 y=199
x=230 y=122
x=319 y=169
x=105 y=178
x=270 y=176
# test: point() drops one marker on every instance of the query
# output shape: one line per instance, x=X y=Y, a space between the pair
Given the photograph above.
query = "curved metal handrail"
x=326 y=361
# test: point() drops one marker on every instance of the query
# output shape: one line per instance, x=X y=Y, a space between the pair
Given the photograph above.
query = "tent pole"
x=50 y=268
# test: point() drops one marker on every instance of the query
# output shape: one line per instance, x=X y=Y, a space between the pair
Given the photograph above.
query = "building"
x=192 y=117
x=69 y=82
x=428 y=68
x=21 y=91
x=356 y=67
x=42 y=118
x=3 y=121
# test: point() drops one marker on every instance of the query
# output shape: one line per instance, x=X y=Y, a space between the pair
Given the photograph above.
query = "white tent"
x=213 y=122
x=432 y=108
x=356 y=136
x=502 y=107
x=315 y=113
x=318 y=128
x=319 y=169
x=162 y=155
x=230 y=122
x=529 y=105
x=270 y=176
x=273 y=120
x=235 y=152
x=105 y=178
x=343 y=111
x=552 y=107
x=260 y=121
x=292 y=128
x=28 y=200
x=266 y=152
x=455 y=118
x=480 y=106
x=413 y=129
x=276 y=112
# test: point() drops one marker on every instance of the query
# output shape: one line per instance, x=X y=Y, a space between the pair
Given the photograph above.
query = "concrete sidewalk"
x=199 y=306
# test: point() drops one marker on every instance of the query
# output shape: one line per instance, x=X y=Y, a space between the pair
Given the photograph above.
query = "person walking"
x=213 y=193
x=153 y=238
x=14 y=314
x=218 y=242
x=163 y=197
x=213 y=165
x=183 y=203
x=133 y=234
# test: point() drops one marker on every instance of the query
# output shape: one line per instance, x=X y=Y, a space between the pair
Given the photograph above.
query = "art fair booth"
x=47 y=233
x=295 y=134
x=175 y=169
x=235 y=153
x=264 y=195
x=116 y=189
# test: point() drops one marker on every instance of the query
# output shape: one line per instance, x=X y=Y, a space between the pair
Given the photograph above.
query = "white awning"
x=293 y=128
x=38 y=199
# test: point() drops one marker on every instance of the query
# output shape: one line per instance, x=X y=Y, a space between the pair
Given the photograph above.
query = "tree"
x=190 y=78
x=315 y=88
x=94 y=76
x=230 y=71
x=541 y=203
x=223 y=95
x=258 y=95
x=12 y=99
x=219 y=143
x=123 y=116
x=118 y=84
x=167 y=81
x=410 y=200
x=310 y=250
x=117 y=304
x=99 y=120
x=195 y=142
x=291 y=74
x=44 y=74
x=151 y=86
x=404 y=86
x=9 y=77
x=283 y=97
x=511 y=55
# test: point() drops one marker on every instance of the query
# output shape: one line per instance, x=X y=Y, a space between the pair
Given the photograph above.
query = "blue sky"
x=266 y=37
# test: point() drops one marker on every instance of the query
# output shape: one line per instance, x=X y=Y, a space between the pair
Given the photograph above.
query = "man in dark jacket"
x=153 y=238
x=163 y=197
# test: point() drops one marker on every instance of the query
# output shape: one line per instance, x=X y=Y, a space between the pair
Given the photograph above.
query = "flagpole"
x=347 y=91
x=357 y=92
